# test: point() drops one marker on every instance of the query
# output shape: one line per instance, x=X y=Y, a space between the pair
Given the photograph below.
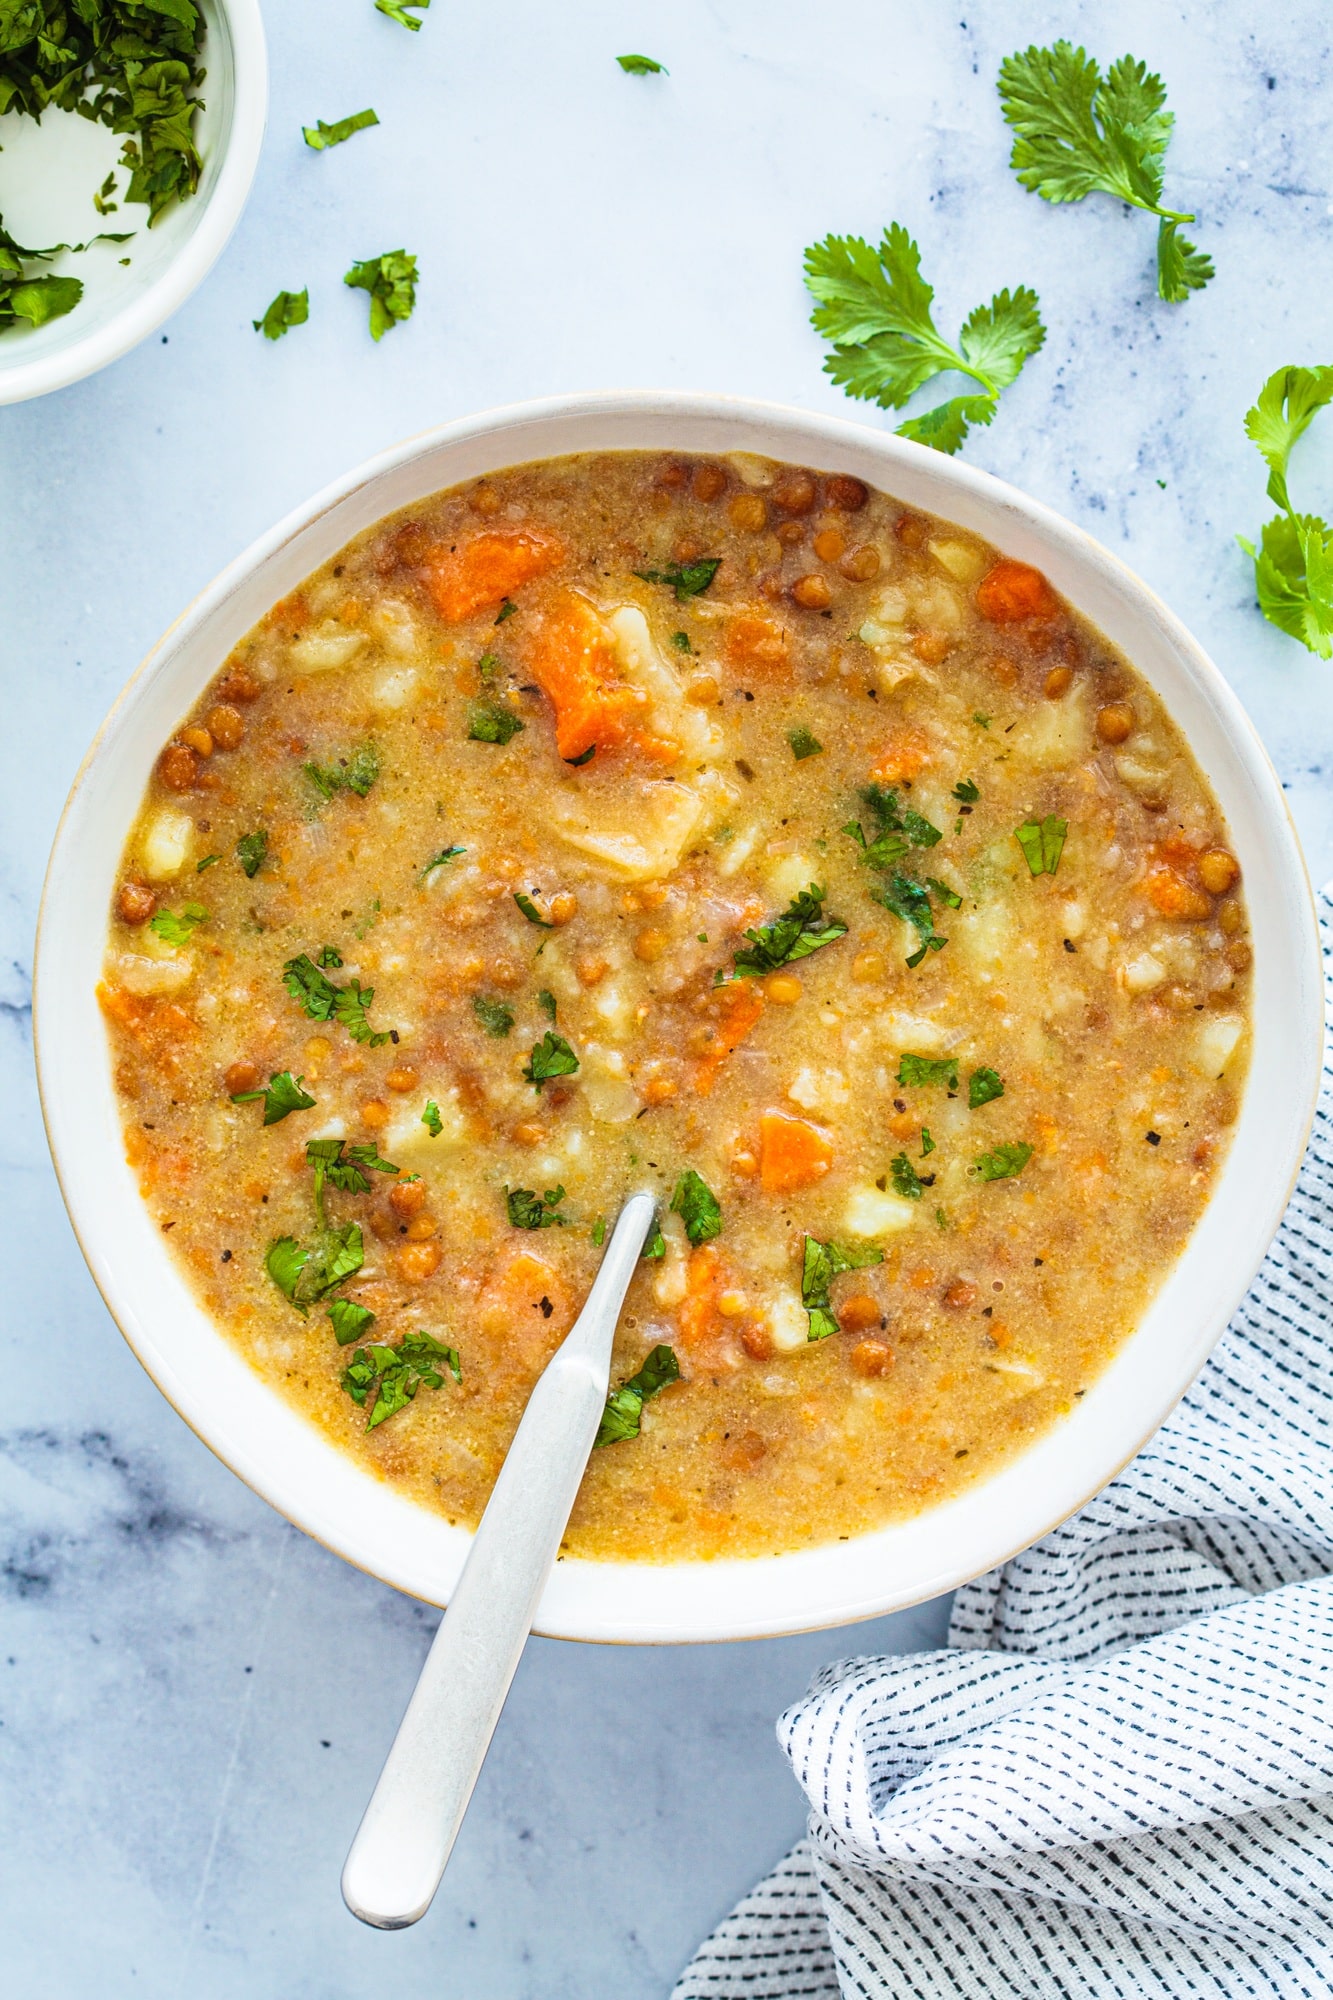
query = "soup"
x=711 y=826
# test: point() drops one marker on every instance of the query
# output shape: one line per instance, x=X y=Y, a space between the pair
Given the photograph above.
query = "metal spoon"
x=409 y=1828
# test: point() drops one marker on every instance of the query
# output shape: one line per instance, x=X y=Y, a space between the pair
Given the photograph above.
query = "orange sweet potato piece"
x=511 y=1300
x=908 y=753
x=792 y=1154
x=697 y=1314
x=574 y=664
x=757 y=643
x=744 y=1004
x=1176 y=898
x=1013 y=590
x=482 y=572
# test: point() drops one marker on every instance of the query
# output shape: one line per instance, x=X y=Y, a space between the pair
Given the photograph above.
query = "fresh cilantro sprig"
x=686 y=579
x=319 y=136
x=252 y=851
x=391 y=278
x=875 y=307
x=801 y=929
x=431 y=1118
x=354 y=773
x=1078 y=133
x=983 y=1087
x=624 y=1406
x=397 y=10
x=344 y=1167
x=1293 y=565
x=393 y=1375
x=287 y=310
x=1003 y=1163
x=907 y=1182
x=529 y=1210
x=282 y=1095
x=822 y=1264
x=698 y=1207
x=641 y=66
x=898 y=831
x=178 y=927
x=914 y=1072
x=551 y=1056
x=903 y=897
x=321 y=1000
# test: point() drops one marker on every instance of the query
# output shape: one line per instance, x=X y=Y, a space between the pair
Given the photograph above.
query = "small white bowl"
x=293 y=1465
x=63 y=159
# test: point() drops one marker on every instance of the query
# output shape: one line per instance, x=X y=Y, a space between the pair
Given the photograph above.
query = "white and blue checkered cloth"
x=1117 y=1779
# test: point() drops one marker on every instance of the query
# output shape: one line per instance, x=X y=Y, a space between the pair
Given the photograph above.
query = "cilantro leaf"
x=391 y=278
x=492 y=722
x=966 y=792
x=344 y=1171
x=281 y=1095
x=349 y=1007
x=431 y=1118
x=898 y=830
x=438 y=861
x=654 y=1245
x=803 y=744
x=917 y=1071
x=330 y=958
x=686 y=579
x=532 y=913
x=528 y=1210
x=1003 y=1162
x=906 y=1181
x=983 y=1087
x=546 y=1001
x=641 y=66
x=1293 y=565
x=209 y=861
x=397 y=11
x=252 y=851
x=802 y=929
x=284 y=1261
x=287 y=310
x=177 y=929
x=598 y=1231
x=1078 y=133
x=909 y=900
x=927 y=1143
x=875 y=307
x=507 y=610
x=321 y=1000
x=1287 y=405
x=393 y=1375
x=551 y=1056
x=495 y=1017
x=624 y=1406
x=350 y=1321
x=823 y=1262
x=319 y=136
x=698 y=1207
x=1042 y=842
x=356 y=773
x=304 y=1276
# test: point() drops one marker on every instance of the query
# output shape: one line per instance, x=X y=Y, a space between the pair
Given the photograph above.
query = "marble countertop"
x=194 y=1699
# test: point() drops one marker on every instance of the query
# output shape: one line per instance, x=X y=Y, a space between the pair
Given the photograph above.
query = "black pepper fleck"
x=1153 y=1138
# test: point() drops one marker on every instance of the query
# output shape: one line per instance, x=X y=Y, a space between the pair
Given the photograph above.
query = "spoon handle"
x=412 y=1820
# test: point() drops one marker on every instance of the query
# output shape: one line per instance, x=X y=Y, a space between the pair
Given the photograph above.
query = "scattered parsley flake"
x=686 y=579
x=966 y=791
x=983 y=1087
x=802 y=929
x=492 y=722
x=356 y=773
x=507 y=610
x=914 y=1072
x=209 y=861
x=1003 y=1162
x=532 y=913
x=624 y=1406
x=281 y=1095
x=528 y=1210
x=681 y=642
x=698 y=1207
x=906 y=1180
x=321 y=1000
x=982 y=721
x=177 y=929
x=445 y=854
x=287 y=310
x=319 y=136
x=350 y=1320
x=252 y=851
x=546 y=1001
x=803 y=744
x=431 y=1118
x=654 y=1244
x=393 y=1375
x=494 y=1016
x=551 y=1056
x=927 y=1143
x=641 y=66
x=599 y=1231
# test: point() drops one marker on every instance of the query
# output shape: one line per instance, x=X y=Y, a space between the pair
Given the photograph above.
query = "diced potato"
x=150 y=977
x=1217 y=1043
x=393 y=690
x=607 y=1090
x=966 y=563
x=917 y=1032
x=168 y=844
x=738 y=851
x=673 y=1273
x=818 y=1089
x=1073 y=920
x=669 y=715
x=984 y=930
x=319 y=652
x=649 y=847
x=1054 y=734
x=935 y=603
x=1022 y=1373
x=788 y=876
x=753 y=470
x=1147 y=772
x=406 y=1140
x=871 y=1211
x=788 y=1322
x=396 y=628
x=1143 y=973
x=614 y=1006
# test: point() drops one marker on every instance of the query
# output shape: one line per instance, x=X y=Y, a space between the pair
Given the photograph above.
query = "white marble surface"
x=194 y=1698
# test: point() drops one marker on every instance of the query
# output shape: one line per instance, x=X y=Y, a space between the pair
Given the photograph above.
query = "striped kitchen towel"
x=1117 y=1779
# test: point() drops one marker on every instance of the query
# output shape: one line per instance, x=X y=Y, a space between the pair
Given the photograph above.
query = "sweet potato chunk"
x=1013 y=590
x=1175 y=898
x=757 y=643
x=744 y=1004
x=484 y=571
x=792 y=1154
x=572 y=658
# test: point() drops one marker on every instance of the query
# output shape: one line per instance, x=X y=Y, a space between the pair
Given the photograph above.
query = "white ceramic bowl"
x=287 y=1459
x=53 y=167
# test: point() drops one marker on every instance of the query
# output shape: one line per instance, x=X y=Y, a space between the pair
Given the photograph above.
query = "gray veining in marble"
x=194 y=1698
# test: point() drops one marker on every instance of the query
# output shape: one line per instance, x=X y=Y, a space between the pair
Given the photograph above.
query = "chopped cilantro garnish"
x=803 y=744
x=949 y=897
x=983 y=1087
x=329 y=957
x=350 y=1320
x=1003 y=1162
x=641 y=66
x=624 y=1406
x=686 y=579
x=495 y=1017
x=391 y=280
x=209 y=861
x=346 y=1170
x=551 y=1056
x=697 y=1206
x=916 y=1071
x=823 y=1263
x=906 y=1180
x=966 y=791
x=394 y=1374
x=287 y=310
x=1079 y=133
x=492 y=722
x=321 y=1000
x=528 y=1210
x=281 y=1095
x=488 y=666
x=303 y=1276
x=598 y=1231
x=532 y=913
x=681 y=642
x=910 y=901
x=1042 y=842
x=654 y=1244
x=252 y=851
x=982 y=721
x=356 y=773
x=397 y=11
x=507 y=610
x=438 y=861
x=546 y=1001
x=802 y=929
x=319 y=136
x=178 y=928
x=898 y=831
x=431 y=1118
x=927 y=1143
x=875 y=308
x=1293 y=565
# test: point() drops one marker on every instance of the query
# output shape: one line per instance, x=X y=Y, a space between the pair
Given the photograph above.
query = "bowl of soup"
x=668 y=791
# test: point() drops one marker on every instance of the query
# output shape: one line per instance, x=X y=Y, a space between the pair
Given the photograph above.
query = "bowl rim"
x=144 y=311
x=811 y=1590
